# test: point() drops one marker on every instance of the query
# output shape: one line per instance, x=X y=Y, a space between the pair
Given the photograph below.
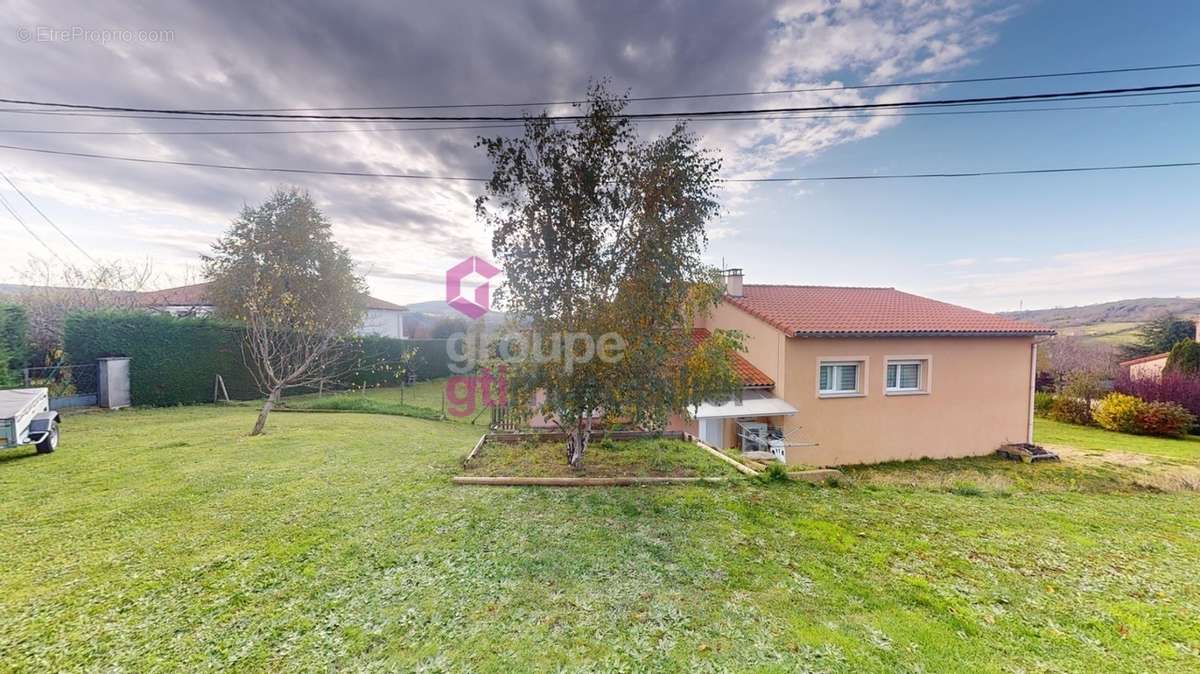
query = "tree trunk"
x=261 y=424
x=577 y=441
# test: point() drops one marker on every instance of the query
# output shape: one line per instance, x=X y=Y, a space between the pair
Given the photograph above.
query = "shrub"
x=1071 y=411
x=1169 y=419
x=7 y=377
x=1046 y=382
x=14 y=336
x=1119 y=412
x=1042 y=402
x=775 y=472
x=1171 y=387
x=1083 y=385
x=1184 y=358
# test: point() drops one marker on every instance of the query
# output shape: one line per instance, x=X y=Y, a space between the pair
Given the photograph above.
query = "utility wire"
x=1191 y=86
x=736 y=94
x=47 y=218
x=388 y=130
x=71 y=113
x=234 y=167
x=393 y=128
x=30 y=230
x=411 y=176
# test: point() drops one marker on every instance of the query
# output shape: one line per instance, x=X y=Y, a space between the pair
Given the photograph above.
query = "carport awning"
x=752 y=404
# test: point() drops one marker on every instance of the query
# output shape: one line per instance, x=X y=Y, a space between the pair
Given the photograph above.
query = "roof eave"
x=924 y=333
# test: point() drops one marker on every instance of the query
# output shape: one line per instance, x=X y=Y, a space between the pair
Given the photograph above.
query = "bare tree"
x=1068 y=354
x=53 y=290
x=279 y=270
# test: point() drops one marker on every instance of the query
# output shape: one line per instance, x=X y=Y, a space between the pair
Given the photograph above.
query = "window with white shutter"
x=906 y=376
x=840 y=378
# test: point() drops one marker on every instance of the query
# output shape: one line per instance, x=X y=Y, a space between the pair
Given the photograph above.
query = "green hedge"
x=14 y=335
x=174 y=360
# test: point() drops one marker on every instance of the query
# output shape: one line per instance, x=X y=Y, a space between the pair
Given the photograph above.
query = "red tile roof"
x=196 y=295
x=1143 y=359
x=820 y=311
x=751 y=376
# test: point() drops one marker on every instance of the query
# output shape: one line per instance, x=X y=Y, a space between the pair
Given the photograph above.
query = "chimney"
x=733 y=284
x=1196 y=321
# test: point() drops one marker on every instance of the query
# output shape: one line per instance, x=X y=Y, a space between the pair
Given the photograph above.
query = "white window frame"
x=860 y=385
x=924 y=375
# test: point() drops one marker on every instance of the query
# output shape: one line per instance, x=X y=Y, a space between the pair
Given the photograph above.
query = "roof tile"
x=817 y=311
x=751 y=376
x=196 y=295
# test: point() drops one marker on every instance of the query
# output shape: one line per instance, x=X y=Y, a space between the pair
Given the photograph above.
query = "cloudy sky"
x=993 y=243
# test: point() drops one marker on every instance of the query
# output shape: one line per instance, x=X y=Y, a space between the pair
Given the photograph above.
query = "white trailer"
x=26 y=419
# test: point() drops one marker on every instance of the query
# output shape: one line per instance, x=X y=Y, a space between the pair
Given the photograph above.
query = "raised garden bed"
x=538 y=457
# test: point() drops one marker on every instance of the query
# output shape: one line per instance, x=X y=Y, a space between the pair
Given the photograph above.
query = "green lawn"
x=428 y=395
x=167 y=540
x=1088 y=438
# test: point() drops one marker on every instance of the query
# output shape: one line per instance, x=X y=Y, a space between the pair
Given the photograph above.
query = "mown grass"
x=1098 y=439
x=428 y=395
x=603 y=458
x=168 y=540
x=365 y=405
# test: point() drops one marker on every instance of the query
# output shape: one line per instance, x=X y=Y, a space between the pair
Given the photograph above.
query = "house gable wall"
x=978 y=399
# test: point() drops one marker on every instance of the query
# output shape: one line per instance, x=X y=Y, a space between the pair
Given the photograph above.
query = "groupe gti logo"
x=472 y=272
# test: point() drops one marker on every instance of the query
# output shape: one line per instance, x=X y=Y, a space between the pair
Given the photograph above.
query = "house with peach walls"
x=864 y=375
x=1152 y=366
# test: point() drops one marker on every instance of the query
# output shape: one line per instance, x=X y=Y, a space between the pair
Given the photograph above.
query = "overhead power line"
x=270 y=132
x=739 y=94
x=1062 y=95
x=29 y=229
x=47 y=218
x=413 y=176
x=102 y=115
x=735 y=94
x=235 y=167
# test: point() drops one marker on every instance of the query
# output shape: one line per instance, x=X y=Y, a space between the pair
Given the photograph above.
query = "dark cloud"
x=228 y=54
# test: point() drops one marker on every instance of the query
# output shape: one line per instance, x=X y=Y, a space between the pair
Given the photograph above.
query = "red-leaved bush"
x=1168 y=419
x=1173 y=387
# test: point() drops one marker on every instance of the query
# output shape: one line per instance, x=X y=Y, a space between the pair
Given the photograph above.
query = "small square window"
x=840 y=378
x=905 y=376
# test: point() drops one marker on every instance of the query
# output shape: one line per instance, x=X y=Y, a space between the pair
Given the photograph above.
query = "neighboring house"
x=863 y=375
x=383 y=318
x=1151 y=367
x=1146 y=367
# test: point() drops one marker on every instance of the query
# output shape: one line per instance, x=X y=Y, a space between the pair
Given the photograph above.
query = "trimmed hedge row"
x=175 y=360
x=14 y=335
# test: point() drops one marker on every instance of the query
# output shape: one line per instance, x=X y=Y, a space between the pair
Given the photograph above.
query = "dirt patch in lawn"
x=1150 y=472
x=604 y=458
x=1078 y=471
x=1093 y=456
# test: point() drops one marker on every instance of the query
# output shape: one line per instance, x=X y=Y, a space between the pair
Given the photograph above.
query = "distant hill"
x=1111 y=322
x=422 y=316
x=433 y=308
x=1121 y=311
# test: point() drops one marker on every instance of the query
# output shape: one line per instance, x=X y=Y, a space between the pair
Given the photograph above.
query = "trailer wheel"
x=50 y=442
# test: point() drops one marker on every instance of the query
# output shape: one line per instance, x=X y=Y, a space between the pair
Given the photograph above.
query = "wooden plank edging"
x=577 y=481
x=741 y=467
x=478 y=445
